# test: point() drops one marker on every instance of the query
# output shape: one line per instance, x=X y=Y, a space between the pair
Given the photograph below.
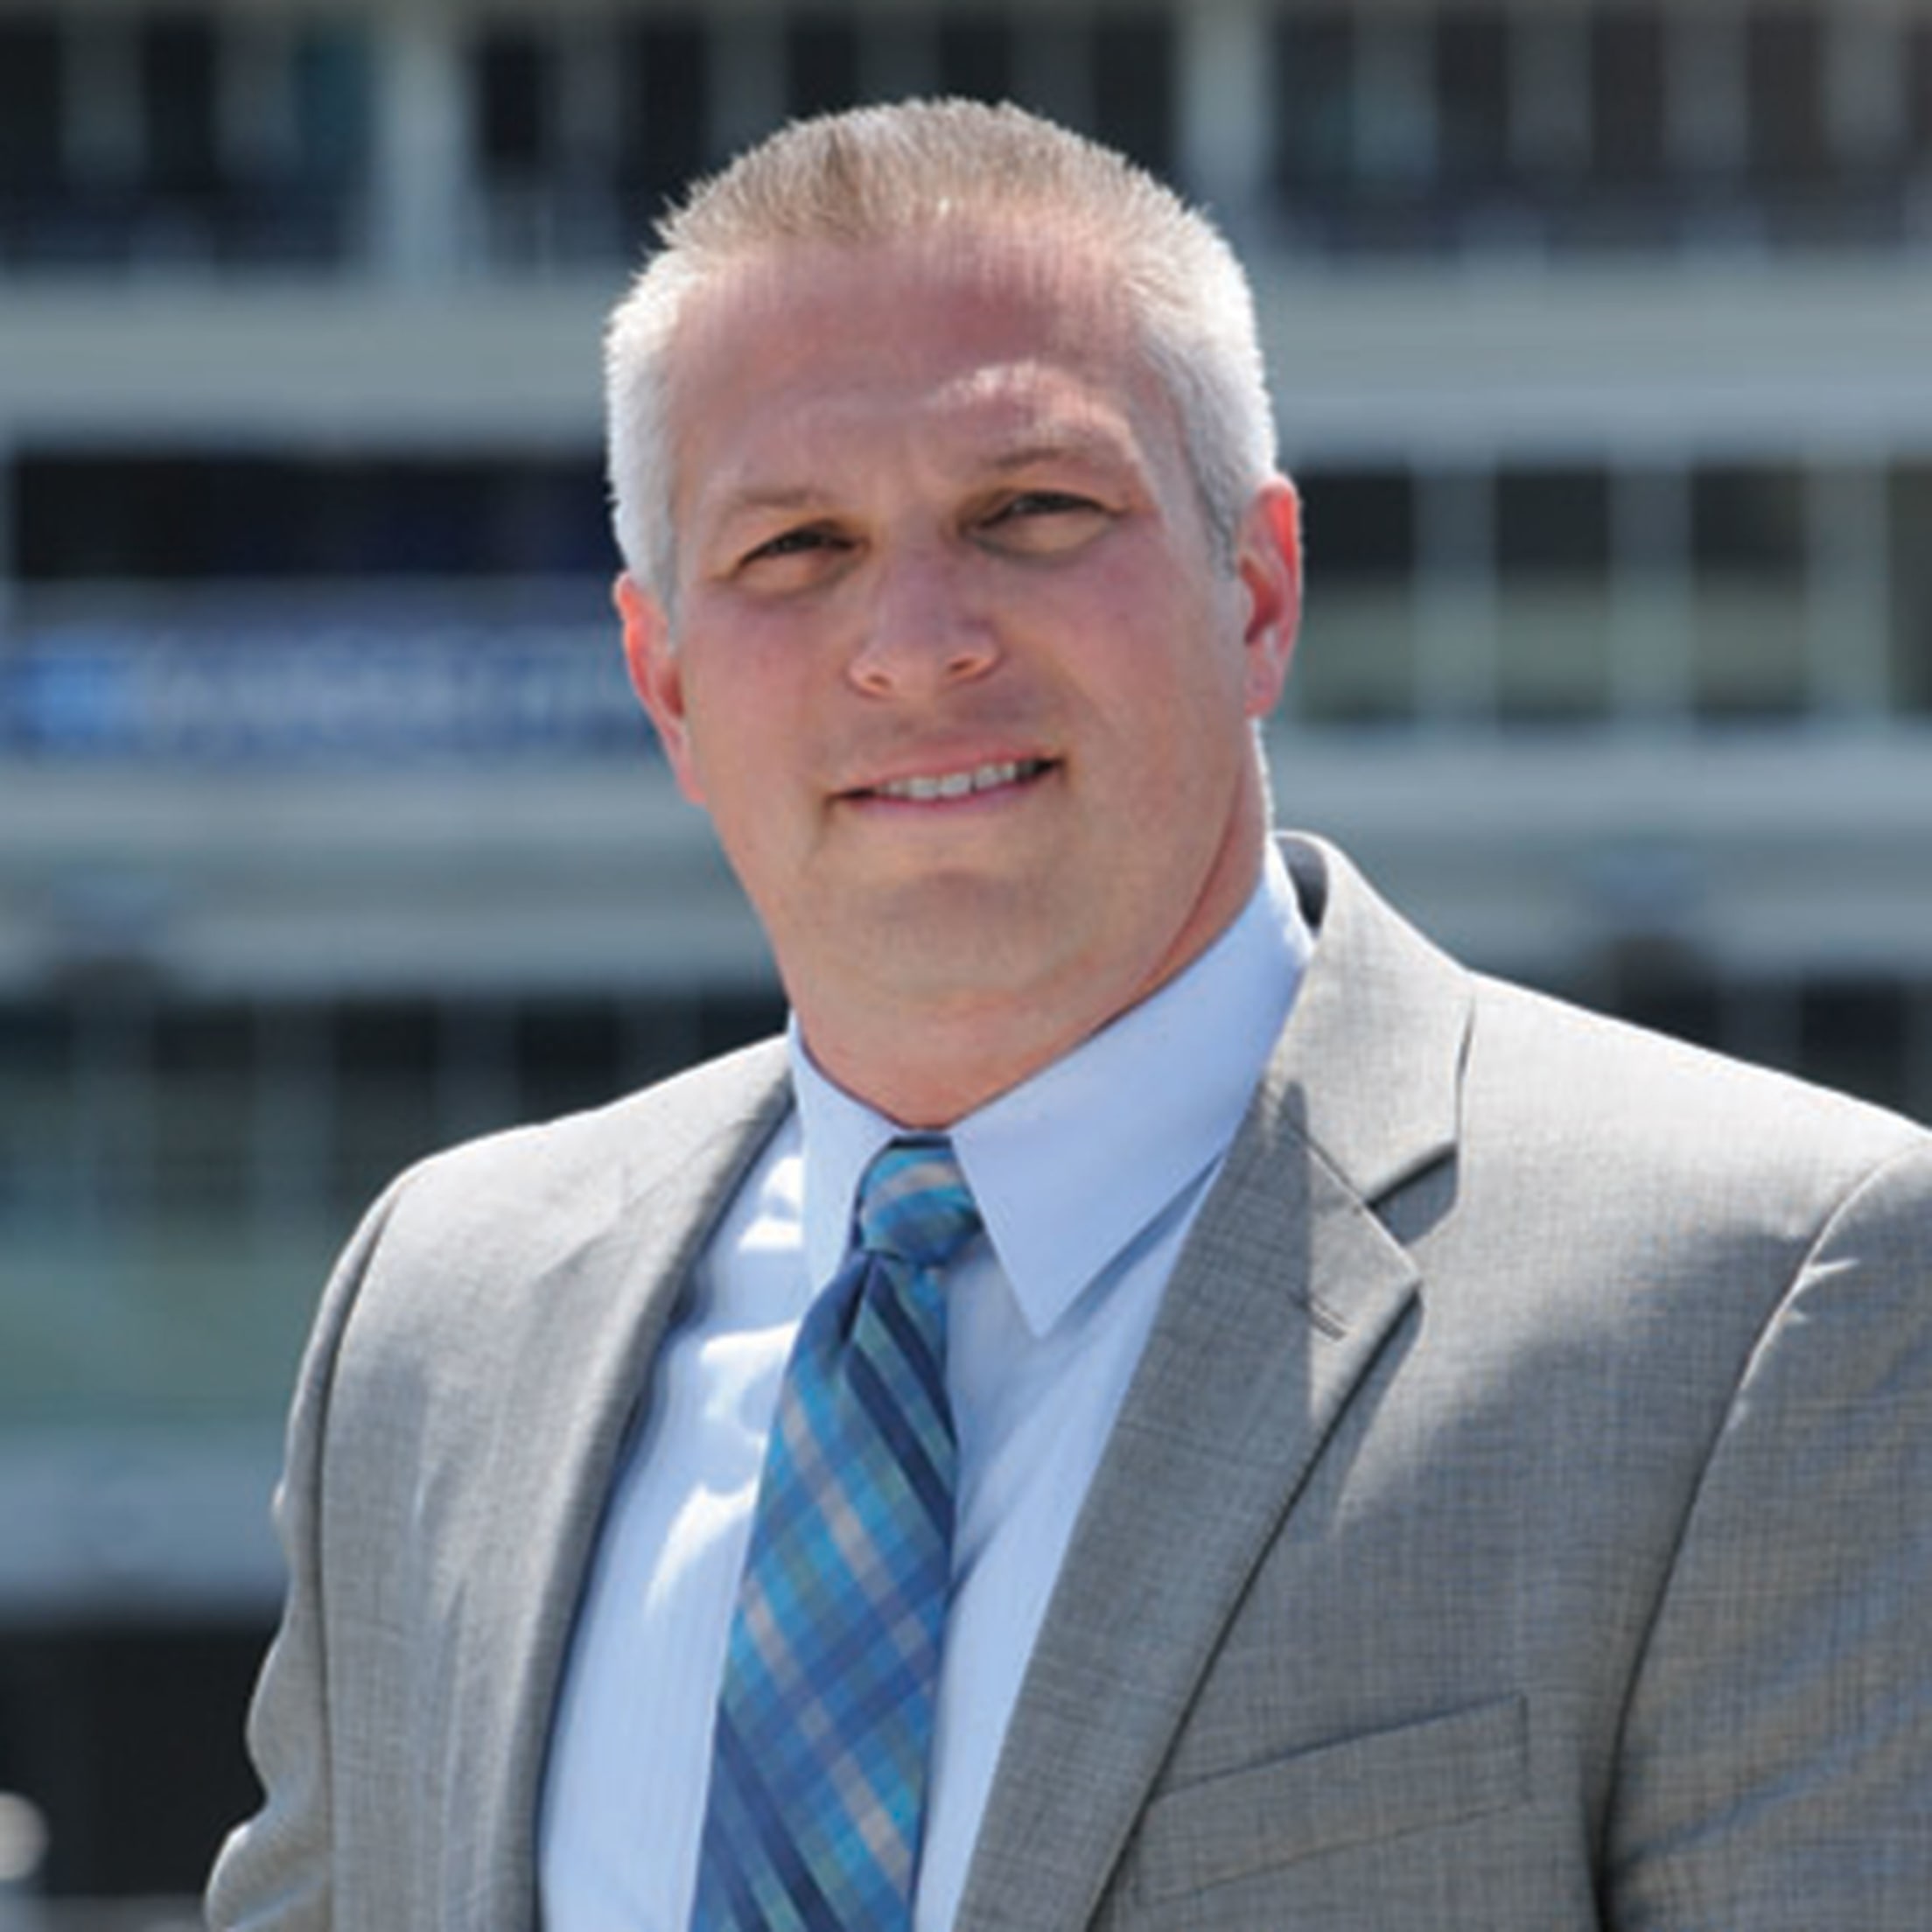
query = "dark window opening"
x=1315 y=103
x=1361 y=525
x=1471 y=77
x=514 y=134
x=1628 y=95
x=1553 y=523
x=30 y=85
x=185 y=518
x=975 y=56
x=1133 y=87
x=176 y=62
x=661 y=141
x=822 y=51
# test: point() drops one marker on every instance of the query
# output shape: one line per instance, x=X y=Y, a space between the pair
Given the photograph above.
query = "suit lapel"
x=600 y=1316
x=1287 y=1286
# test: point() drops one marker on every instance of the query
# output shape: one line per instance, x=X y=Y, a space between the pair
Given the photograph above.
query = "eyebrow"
x=1090 y=447
x=761 y=500
x=796 y=496
x=1074 y=445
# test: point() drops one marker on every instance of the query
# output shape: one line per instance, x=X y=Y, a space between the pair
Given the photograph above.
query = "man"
x=1407 y=1454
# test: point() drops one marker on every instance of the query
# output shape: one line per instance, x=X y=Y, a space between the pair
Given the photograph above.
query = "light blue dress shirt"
x=1087 y=1178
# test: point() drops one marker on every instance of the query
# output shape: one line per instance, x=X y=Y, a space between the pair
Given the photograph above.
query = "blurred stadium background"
x=1602 y=333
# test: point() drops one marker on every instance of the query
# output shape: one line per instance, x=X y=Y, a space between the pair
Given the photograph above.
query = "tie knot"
x=914 y=1205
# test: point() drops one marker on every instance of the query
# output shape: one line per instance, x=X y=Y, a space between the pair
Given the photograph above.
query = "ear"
x=1267 y=561
x=650 y=656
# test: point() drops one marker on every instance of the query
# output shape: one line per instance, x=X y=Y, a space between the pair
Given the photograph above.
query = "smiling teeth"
x=981 y=778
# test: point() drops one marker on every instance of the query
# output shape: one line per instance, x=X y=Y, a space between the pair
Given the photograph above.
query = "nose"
x=921 y=628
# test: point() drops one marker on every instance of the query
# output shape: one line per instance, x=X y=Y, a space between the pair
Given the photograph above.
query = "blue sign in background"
x=338 y=693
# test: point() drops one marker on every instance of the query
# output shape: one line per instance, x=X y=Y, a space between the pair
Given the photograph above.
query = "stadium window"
x=1316 y=109
x=569 y=1053
x=204 y=1110
x=175 y=64
x=37 y=1127
x=1357 y=660
x=1471 y=59
x=1655 y=984
x=331 y=87
x=1550 y=118
x=1133 y=87
x=294 y=1113
x=1854 y=1035
x=1909 y=491
x=241 y=138
x=1456 y=606
x=1553 y=522
x=158 y=518
x=416 y=517
x=127 y=1718
x=1629 y=114
x=1788 y=145
x=210 y=517
x=112 y=1143
x=32 y=76
x=1552 y=560
x=386 y=1091
x=513 y=80
x=104 y=515
x=1918 y=78
x=975 y=53
x=665 y=81
x=1396 y=133
x=821 y=61
x=1650 y=595
x=1750 y=562
x=549 y=519
x=672 y=1032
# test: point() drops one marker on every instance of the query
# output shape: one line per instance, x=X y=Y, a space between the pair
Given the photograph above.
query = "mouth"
x=926 y=788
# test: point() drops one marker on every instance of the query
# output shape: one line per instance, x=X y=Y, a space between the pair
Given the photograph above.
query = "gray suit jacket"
x=1519 y=1519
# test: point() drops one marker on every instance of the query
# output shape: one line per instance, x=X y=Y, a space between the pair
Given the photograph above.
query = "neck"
x=928 y=1061
x=947 y=1068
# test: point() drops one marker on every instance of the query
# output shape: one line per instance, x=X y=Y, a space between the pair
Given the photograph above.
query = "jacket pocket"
x=1417 y=1777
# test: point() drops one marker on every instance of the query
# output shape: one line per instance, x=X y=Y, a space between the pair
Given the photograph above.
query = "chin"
x=954 y=950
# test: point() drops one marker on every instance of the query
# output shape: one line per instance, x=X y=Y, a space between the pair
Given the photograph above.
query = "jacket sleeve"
x=1776 y=1768
x=274 y=1873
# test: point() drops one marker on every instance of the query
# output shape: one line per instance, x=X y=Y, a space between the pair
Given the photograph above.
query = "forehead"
x=808 y=349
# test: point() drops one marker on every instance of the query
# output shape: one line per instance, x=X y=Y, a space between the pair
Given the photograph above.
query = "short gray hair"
x=876 y=174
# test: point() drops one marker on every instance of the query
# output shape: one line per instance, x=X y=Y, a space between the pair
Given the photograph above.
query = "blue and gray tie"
x=824 y=1723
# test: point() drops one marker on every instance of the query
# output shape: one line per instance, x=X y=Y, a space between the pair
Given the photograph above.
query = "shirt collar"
x=1069 y=1166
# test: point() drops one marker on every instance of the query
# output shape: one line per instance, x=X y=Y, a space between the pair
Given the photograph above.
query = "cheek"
x=680 y=753
x=1179 y=664
x=745 y=733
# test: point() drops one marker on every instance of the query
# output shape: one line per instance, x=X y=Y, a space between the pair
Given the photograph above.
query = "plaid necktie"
x=824 y=1723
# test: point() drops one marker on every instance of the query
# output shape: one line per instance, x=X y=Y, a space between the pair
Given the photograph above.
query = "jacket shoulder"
x=1629 y=1066
x=527 y=1184
x=1651 y=1118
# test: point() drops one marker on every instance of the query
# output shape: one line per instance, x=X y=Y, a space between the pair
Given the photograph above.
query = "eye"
x=1044 y=503
x=1041 y=523
x=792 y=559
x=797 y=543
